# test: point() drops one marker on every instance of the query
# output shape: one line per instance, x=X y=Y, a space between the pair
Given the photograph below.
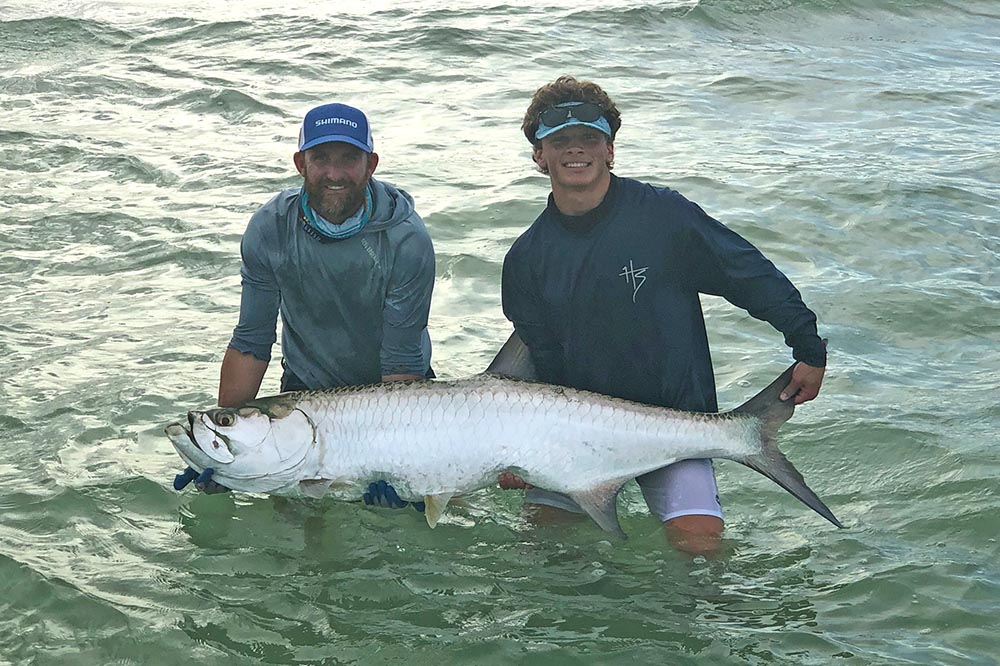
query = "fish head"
x=263 y=439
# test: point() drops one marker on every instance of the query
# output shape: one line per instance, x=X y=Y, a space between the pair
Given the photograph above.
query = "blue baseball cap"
x=336 y=122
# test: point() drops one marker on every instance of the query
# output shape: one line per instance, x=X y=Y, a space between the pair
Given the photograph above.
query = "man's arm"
x=723 y=263
x=405 y=352
x=249 y=350
x=240 y=378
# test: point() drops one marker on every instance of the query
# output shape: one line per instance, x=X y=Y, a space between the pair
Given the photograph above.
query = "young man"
x=347 y=262
x=603 y=289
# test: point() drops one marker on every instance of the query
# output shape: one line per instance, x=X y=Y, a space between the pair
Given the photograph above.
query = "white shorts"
x=686 y=488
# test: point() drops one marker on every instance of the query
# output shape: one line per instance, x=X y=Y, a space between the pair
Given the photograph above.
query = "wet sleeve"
x=256 y=331
x=405 y=346
x=522 y=306
x=723 y=263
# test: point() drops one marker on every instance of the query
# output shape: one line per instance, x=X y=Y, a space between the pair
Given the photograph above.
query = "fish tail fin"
x=772 y=412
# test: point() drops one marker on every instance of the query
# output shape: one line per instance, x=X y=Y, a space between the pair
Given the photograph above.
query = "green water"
x=855 y=143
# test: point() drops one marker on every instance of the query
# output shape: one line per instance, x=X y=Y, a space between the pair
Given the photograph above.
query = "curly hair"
x=568 y=89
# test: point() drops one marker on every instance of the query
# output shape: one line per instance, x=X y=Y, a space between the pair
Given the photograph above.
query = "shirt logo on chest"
x=634 y=276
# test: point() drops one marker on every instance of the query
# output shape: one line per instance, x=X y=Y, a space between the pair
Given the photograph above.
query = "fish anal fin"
x=601 y=504
x=434 y=506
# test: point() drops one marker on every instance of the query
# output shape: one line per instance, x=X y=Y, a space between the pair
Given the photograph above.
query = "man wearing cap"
x=603 y=289
x=347 y=262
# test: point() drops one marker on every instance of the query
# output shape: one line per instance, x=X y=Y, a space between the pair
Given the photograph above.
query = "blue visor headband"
x=554 y=118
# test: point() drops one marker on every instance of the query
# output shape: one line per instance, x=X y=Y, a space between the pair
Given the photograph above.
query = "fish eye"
x=225 y=419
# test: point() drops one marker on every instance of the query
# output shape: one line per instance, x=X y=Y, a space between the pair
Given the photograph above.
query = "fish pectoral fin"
x=434 y=506
x=315 y=488
x=601 y=504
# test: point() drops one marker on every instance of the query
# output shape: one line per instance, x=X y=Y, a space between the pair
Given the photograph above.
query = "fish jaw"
x=189 y=451
x=200 y=441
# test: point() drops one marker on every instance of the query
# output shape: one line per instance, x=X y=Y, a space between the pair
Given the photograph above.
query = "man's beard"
x=335 y=207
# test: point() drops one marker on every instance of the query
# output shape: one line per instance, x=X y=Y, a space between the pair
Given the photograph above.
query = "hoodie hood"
x=391 y=206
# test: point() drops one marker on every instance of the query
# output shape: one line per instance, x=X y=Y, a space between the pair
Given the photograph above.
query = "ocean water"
x=854 y=142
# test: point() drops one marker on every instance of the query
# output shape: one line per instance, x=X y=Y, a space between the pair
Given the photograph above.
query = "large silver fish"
x=435 y=440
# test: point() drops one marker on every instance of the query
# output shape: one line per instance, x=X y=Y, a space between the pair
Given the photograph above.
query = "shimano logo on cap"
x=336 y=121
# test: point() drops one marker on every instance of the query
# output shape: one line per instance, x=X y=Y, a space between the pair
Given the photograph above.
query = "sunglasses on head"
x=554 y=116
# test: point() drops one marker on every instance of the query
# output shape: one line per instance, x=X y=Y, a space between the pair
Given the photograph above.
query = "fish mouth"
x=190 y=433
x=186 y=446
x=183 y=437
x=173 y=430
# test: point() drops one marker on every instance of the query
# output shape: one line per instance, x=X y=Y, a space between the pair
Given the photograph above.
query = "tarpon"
x=439 y=439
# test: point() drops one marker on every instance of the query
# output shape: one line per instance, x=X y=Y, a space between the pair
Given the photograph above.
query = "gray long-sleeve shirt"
x=352 y=310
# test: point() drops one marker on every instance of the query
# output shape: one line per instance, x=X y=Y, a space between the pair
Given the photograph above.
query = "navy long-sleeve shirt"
x=609 y=301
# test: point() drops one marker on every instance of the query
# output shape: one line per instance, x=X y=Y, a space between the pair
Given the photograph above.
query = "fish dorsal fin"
x=513 y=360
x=601 y=504
x=434 y=506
